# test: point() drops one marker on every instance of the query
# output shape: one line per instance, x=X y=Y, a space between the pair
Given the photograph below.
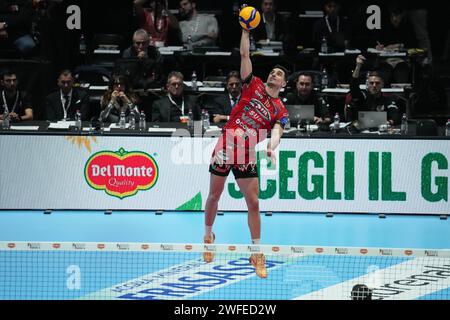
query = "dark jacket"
x=143 y=73
x=222 y=105
x=320 y=109
x=54 y=107
x=281 y=29
x=363 y=101
x=163 y=110
x=336 y=38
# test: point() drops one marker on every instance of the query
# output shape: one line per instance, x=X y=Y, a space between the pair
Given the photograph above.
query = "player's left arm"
x=274 y=142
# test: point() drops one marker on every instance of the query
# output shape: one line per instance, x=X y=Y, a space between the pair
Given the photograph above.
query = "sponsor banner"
x=158 y=173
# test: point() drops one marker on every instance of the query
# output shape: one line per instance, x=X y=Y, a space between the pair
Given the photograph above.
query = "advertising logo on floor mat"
x=121 y=174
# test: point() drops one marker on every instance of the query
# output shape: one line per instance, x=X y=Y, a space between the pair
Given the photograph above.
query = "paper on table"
x=162 y=129
x=218 y=53
x=116 y=126
x=61 y=125
x=211 y=89
x=25 y=128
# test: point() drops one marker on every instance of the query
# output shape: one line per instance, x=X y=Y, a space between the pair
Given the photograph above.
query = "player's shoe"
x=259 y=262
x=209 y=256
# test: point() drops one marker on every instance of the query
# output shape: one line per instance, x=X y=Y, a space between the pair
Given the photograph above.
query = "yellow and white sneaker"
x=259 y=262
x=209 y=256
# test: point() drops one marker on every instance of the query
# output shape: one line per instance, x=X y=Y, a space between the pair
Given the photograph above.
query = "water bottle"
x=324 y=45
x=194 y=80
x=337 y=121
x=206 y=123
x=78 y=120
x=82 y=44
x=189 y=45
x=404 y=125
x=447 y=128
x=122 y=120
x=190 y=120
x=142 y=122
x=324 y=79
x=132 y=121
x=5 y=123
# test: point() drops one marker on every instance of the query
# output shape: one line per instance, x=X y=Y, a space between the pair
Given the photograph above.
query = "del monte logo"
x=121 y=174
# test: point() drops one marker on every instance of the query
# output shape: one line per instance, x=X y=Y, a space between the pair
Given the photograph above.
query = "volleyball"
x=249 y=18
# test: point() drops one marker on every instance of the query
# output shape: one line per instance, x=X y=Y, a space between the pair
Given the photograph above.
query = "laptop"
x=371 y=119
x=300 y=113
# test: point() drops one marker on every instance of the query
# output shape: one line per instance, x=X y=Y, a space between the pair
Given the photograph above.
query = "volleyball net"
x=149 y=271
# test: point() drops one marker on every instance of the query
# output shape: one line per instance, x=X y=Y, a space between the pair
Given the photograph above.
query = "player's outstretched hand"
x=272 y=156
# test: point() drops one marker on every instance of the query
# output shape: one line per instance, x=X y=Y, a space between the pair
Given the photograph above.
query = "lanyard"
x=6 y=103
x=182 y=103
x=329 y=26
x=68 y=103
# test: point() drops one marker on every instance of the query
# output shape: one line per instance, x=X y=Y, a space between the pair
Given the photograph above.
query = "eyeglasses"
x=175 y=84
x=140 y=42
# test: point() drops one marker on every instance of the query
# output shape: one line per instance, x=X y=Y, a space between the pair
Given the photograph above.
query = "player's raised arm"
x=246 y=63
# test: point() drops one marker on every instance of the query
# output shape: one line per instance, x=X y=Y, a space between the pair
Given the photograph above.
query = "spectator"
x=15 y=26
x=418 y=14
x=225 y=103
x=202 y=29
x=63 y=103
x=147 y=72
x=16 y=102
x=161 y=25
x=117 y=99
x=333 y=27
x=304 y=94
x=176 y=104
x=273 y=26
x=395 y=36
x=373 y=99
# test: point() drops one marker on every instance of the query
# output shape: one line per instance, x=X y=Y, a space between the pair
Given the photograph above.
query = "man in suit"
x=223 y=104
x=273 y=26
x=176 y=104
x=63 y=103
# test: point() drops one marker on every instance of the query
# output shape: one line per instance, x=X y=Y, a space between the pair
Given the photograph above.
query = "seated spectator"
x=117 y=99
x=273 y=25
x=396 y=35
x=147 y=72
x=63 y=103
x=223 y=104
x=15 y=26
x=304 y=94
x=333 y=27
x=176 y=104
x=17 y=103
x=202 y=29
x=373 y=99
x=161 y=25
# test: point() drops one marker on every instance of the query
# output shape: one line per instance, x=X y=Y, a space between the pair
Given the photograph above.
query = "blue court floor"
x=119 y=275
x=396 y=231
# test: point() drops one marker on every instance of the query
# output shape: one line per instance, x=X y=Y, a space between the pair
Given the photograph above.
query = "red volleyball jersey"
x=256 y=112
x=250 y=122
